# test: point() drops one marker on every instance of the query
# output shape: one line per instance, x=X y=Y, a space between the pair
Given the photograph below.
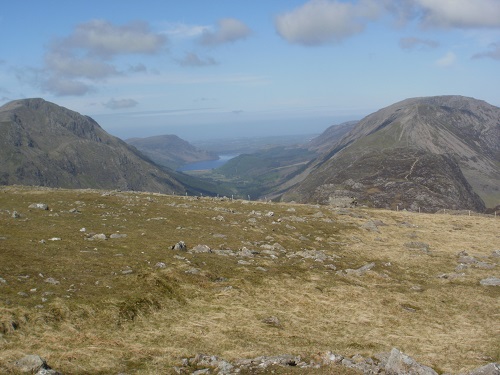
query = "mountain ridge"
x=49 y=145
x=464 y=130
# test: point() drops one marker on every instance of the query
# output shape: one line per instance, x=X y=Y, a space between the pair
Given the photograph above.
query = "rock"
x=180 y=246
x=3 y=281
x=52 y=281
x=495 y=253
x=371 y=226
x=160 y=265
x=272 y=321
x=466 y=259
x=490 y=281
x=100 y=236
x=16 y=215
x=202 y=360
x=31 y=364
x=422 y=246
x=244 y=252
x=489 y=369
x=39 y=206
x=118 y=235
x=200 y=249
x=55 y=239
x=401 y=364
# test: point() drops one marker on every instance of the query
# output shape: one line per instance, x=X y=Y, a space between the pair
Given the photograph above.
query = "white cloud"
x=493 y=53
x=460 y=13
x=61 y=86
x=447 y=60
x=325 y=21
x=229 y=30
x=192 y=59
x=67 y=65
x=101 y=38
x=120 y=103
x=182 y=30
x=73 y=63
x=411 y=43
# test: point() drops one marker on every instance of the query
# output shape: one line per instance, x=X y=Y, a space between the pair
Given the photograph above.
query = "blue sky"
x=225 y=68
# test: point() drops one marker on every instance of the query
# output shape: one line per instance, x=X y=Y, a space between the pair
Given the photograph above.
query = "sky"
x=204 y=69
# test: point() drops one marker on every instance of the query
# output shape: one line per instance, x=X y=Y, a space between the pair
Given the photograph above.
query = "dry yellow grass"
x=102 y=319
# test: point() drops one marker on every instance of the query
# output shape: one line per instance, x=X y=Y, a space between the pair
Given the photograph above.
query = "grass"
x=114 y=311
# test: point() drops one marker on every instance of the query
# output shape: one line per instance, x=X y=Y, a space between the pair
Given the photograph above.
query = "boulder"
x=402 y=364
x=201 y=249
x=489 y=369
x=180 y=246
x=31 y=364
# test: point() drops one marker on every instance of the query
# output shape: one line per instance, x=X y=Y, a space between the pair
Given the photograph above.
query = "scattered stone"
x=39 y=206
x=16 y=215
x=127 y=272
x=466 y=259
x=179 y=246
x=118 y=235
x=270 y=214
x=272 y=321
x=490 y=281
x=83 y=229
x=55 y=239
x=3 y=281
x=22 y=294
x=100 y=236
x=359 y=271
x=74 y=211
x=218 y=218
x=160 y=265
x=484 y=265
x=262 y=269
x=244 y=252
x=393 y=363
x=42 y=241
x=200 y=249
x=371 y=226
x=193 y=271
x=495 y=253
x=51 y=280
x=400 y=363
x=416 y=245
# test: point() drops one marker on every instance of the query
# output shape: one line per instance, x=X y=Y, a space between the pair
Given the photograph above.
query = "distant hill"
x=170 y=150
x=428 y=153
x=44 y=144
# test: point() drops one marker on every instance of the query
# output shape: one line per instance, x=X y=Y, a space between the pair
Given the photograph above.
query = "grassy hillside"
x=342 y=280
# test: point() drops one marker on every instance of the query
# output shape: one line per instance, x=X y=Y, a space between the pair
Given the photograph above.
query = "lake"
x=204 y=165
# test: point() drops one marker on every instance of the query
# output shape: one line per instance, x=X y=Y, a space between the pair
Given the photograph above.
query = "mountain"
x=170 y=150
x=44 y=144
x=332 y=134
x=421 y=153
